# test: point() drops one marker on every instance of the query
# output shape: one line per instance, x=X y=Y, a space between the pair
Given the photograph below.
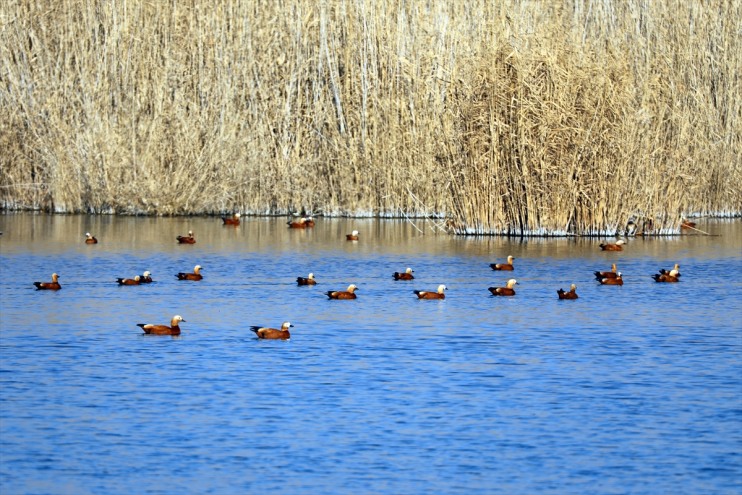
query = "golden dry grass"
x=506 y=117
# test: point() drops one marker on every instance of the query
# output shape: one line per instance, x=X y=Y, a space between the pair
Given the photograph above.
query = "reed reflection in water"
x=627 y=389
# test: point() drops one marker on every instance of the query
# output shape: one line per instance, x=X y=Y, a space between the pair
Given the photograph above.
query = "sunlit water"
x=633 y=389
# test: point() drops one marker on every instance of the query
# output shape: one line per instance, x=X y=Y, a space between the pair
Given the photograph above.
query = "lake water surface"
x=632 y=389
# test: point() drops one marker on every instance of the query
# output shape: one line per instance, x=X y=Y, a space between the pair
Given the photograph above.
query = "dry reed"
x=567 y=117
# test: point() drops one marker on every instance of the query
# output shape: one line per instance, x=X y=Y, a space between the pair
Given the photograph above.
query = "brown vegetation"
x=504 y=117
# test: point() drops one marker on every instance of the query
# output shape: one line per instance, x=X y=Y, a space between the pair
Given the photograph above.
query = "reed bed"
x=514 y=117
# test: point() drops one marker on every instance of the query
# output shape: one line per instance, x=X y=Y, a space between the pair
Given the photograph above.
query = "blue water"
x=633 y=389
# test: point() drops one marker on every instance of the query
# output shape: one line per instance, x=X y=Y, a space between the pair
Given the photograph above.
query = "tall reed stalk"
x=511 y=117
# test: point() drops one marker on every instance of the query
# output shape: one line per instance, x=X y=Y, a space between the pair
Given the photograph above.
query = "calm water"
x=633 y=389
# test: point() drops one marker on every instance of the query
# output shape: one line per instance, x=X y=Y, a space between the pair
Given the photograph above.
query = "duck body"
x=610 y=274
x=306 y=280
x=503 y=266
x=665 y=277
x=145 y=278
x=273 y=333
x=353 y=236
x=300 y=224
x=571 y=294
x=173 y=329
x=196 y=275
x=438 y=294
x=508 y=290
x=129 y=281
x=617 y=280
x=53 y=285
x=350 y=293
x=406 y=275
x=189 y=239
x=234 y=220
x=89 y=239
x=618 y=246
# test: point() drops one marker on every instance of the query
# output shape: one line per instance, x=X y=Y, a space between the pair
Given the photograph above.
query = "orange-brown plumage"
x=611 y=274
x=273 y=333
x=350 y=293
x=233 y=220
x=353 y=236
x=196 y=275
x=189 y=239
x=503 y=266
x=301 y=224
x=129 y=281
x=309 y=280
x=618 y=246
x=504 y=291
x=617 y=280
x=173 y=329
x=571 y=294
x=89 y=239
x=53 y=285
x=438 y=294
x=406 y=275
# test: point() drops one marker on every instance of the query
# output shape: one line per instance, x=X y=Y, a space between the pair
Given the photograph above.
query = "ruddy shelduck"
x=173 y=329
x=273 y=333
x=438 y=294
x=353 y=236
x=53 y=285
x=571 y=294
x=233 y=220
x=309 y=280
x=618 y=246
x=504 y=291
x=129 y=281
x=406 y=275
x=503 y=266
x=196 y=275
x=611 y=274
x=146 y=278
x=350 y=293
x=89 y=239
x=189 y=239
x=617 y=280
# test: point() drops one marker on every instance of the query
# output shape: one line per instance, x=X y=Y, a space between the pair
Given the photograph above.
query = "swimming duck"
x=503 y=266
x=306 y=281
x=89 y=239
x=407 y=275
x=233 y=220
x=617 y=280
x=196 y=275
x=189 y=239
x=666 y=277
x=273 y=333
x=504 y=291
x=675 y=272
x=173 y=329
x=611 y=274
x=618 y=246
x=572 y=294
x=353 y=236
x=310 y=222
x=301 y=224
x=146 y=278
x=129 y=281
x=53 y=285
x=423 y=294
x=350 y=293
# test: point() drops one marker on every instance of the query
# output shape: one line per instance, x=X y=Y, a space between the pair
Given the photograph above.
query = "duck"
x=503 y=266
x=666 y=277
x=129 y=281
x=309 y=280
x=89 y=239
x=301 y=224
x=423 y=294
x=571 y=294
x=675 y=272
x=353 y=236
x=350 y=293
x=173 y=329
x=53 y=285
x=273 y=333
x=504 y=291
x=233 y=220
x=617 y=280
x=310 y=222
x=196 y=275
x=406 y=275
x=618 y=246
x=145 y=278
x=189 y=239
x=610 y=274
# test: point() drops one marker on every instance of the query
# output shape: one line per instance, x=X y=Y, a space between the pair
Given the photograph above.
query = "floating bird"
x=129 y=281
x=665 y=277
x=504 y=291
x=353 y=236
x=675 y=272
x=306 y=281
x=309 y=222
x=343 y=294
x=173 y=329
x=146 y=278
x=618 y=246
x=89 y=239
x=196 y=275
x=611 y=274
x=301 y=224
x=423 y=294
x=233 y=220
x=273 y=333
x=53 y=285
x=189 y=239
x=407 y=275
x=503 y=266
x=617 y=280
x=571 y=294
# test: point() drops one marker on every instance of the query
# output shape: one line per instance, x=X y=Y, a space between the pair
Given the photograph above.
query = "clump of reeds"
x=507 y=118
